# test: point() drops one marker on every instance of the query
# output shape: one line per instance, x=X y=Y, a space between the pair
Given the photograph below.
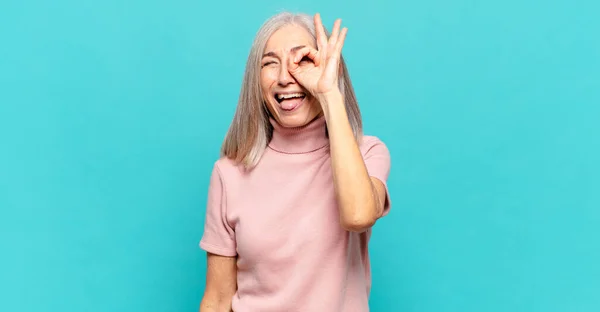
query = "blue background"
x=112 y=114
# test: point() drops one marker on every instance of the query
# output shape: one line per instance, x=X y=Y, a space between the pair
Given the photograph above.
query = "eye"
x=306 y=59
x=267 y=63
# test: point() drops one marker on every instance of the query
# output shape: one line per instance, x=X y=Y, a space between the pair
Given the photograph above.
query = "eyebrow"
x=273 y=54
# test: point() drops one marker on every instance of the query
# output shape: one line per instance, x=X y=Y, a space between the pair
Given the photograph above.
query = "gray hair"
x=250 y=131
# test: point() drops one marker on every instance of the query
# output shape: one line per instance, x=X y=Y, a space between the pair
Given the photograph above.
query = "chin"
x=294 y=121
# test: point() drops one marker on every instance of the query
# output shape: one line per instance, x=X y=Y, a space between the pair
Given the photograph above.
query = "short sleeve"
x=218 y=236
x=377 y=160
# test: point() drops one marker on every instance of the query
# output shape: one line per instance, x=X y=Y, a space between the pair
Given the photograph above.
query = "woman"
x=298 y=188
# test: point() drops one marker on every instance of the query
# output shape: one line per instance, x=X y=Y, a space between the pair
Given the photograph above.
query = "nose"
x=284 y=78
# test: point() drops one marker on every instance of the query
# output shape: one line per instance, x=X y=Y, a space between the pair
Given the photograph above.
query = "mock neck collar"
x=299 y=140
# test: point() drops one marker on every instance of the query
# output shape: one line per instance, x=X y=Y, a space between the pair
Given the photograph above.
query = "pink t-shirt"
x=282 y=222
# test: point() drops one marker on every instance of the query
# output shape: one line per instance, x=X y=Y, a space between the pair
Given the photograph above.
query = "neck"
x=299 y=140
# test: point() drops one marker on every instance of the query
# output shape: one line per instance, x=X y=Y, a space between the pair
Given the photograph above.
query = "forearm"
x=354 y=189
x=215 y=306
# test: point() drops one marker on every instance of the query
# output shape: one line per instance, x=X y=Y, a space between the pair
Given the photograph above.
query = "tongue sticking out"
x=290 y=104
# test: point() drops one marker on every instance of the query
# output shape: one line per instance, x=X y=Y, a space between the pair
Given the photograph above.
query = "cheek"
x=267 y=78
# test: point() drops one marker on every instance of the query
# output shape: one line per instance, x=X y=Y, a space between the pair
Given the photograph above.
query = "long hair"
x=250 y=131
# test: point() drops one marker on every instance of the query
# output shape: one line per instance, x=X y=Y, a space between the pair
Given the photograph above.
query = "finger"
x=307 y=52
x=321 y=35
x=335 y=33
x=340 y=43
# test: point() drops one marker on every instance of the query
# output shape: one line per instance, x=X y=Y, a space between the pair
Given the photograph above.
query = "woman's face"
x=289 y=103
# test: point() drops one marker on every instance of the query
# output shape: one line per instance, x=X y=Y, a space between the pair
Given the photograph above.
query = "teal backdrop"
x=112 y=114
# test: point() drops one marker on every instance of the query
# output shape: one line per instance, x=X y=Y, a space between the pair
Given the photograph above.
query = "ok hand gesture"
x=317 y=70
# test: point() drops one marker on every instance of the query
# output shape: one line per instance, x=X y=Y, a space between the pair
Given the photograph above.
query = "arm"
x=361 y=198
x=221 y=284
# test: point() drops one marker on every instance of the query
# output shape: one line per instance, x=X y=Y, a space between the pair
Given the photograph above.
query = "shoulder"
x=370 y=140
x=226 y=166
x=376 y=156
x=228 y=170
x=224 y=163
x=370 y=144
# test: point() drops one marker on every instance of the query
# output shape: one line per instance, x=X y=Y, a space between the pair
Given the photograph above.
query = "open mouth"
x=290 y=101
x=280 y=97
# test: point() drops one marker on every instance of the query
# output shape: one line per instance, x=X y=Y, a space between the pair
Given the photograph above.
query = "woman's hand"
x=318 y=70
